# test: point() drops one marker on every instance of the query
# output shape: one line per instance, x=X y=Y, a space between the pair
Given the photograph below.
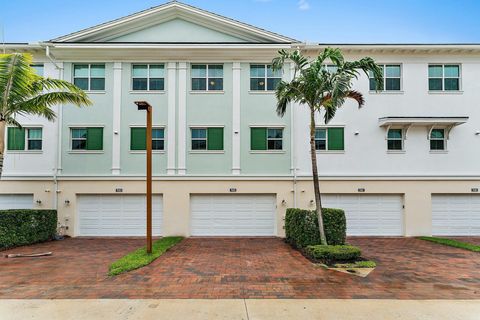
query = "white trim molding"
x=182 y=118
x=236 y=84
x=116 y=115
x=171 y=134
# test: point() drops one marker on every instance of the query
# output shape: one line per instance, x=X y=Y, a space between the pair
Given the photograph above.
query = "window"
x=395 y=139
x=87 y=138
x=391 y=78
x=207 y=77
x=263 y=78
x=38 y=67
x=138 y=139
x=266 y=139
x=444 y=77
x=437 y=139
x=148 y=77
x=329 y=139
x=207 y=139
x=34 y=139
x=89 y=77
x=24 y=139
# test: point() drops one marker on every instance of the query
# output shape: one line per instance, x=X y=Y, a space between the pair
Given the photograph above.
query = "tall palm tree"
x=23 y=92
x=323 y=88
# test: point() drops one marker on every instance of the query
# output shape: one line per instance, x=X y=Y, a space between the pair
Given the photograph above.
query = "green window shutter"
x=138 y=139
x=94 y=138
x=258 y=138
x=215 y=138
x=16 y=139
x=335 y=139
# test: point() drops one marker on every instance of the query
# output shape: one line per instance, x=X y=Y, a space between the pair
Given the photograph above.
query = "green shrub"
x=332 y=254
x=301 y=227
x=23 y=226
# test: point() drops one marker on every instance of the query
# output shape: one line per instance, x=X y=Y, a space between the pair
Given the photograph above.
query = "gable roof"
x=166 y=12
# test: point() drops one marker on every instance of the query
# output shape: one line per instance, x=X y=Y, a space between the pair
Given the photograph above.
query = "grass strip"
x=452 y=243
x=140 y=258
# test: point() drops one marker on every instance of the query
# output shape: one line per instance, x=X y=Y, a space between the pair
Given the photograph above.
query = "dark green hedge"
x=301 y=227
x=23 y=226
x=331 y=254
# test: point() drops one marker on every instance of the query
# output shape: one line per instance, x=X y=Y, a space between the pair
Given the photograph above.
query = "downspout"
x=59 y=132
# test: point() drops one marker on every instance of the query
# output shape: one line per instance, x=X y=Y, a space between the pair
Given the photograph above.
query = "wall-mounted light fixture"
x=39 y=202
x=67 y=202
x=477 y=133
x=284 y=203
x=356 y=133
x=361 y=189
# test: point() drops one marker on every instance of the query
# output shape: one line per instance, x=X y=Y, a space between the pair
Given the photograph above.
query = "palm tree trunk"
x=316 y=183
x=2 y=144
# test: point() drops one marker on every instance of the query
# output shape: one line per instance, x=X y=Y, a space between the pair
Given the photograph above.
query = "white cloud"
x=303 y=5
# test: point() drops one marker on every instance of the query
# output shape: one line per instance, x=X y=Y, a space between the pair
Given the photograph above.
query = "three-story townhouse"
x=223 y=162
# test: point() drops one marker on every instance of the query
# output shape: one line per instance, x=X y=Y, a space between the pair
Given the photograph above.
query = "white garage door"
x=456 y=215
x=16 y=201
x=232 y=215
x=369 y=215
x=117 y=215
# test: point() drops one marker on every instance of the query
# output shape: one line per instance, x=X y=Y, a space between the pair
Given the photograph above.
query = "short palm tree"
x=323 y=88
x=23 y=92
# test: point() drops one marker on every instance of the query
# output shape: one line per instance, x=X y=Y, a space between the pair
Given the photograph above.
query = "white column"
x=61 y=76
x=171 y=128
x=116 y=112
x=236 y=118
x=182 y=117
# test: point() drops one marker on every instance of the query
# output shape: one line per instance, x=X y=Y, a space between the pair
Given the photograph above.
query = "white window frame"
x=27 y=139
x=274 y=139
x=89 y=77
x=71 y=138
x=402 y=139
x=384 y=76
x=265 y=78
x=148 y=76
x=207 y=77
x=437 y=139
x=326 y=139
x=443 y=76
x=198 y=139
x=159 y=139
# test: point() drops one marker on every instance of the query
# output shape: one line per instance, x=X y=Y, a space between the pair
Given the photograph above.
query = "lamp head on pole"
x=143 y=105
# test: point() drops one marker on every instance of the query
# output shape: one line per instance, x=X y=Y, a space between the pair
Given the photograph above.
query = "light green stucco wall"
x=100 y=113
x=177 y=30
x=260 y=109
x=204 y=109
x=132 y=163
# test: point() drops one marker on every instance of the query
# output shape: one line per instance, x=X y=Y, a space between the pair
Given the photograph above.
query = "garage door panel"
x=16 y=201
x=232 y=215
x=456 y=215
x=117 y=215
x=369 y=215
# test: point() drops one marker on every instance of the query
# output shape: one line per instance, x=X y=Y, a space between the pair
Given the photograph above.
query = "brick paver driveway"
x=240 y=268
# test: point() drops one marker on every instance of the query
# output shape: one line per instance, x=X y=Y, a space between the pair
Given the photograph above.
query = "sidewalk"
x=240 y=309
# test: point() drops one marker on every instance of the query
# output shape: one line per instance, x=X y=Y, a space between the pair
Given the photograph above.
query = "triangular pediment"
x=175 y=22
x=177 y=30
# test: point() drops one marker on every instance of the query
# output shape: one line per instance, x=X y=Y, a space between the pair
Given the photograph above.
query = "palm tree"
x=324 y=88
x=23 y=92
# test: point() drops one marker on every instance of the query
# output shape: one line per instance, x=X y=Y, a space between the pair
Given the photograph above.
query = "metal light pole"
x=143 y=105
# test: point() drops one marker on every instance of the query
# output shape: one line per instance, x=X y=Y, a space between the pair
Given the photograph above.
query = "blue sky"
x=326 y=21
